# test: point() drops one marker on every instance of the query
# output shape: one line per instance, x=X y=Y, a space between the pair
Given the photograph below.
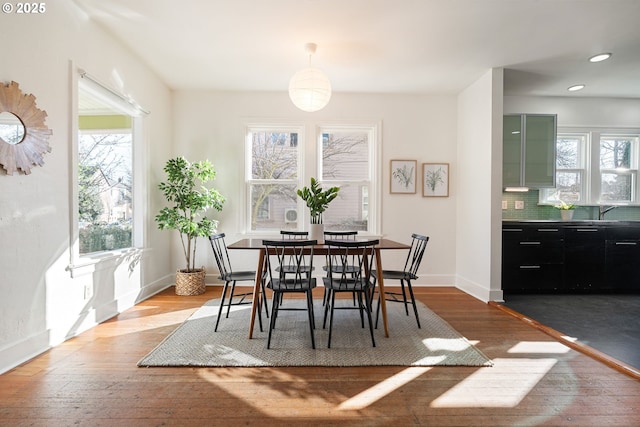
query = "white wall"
x=479 y=180
x=210 y=125
x=40 y=304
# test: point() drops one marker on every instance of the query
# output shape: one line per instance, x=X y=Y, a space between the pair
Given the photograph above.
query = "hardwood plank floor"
x=93 y=380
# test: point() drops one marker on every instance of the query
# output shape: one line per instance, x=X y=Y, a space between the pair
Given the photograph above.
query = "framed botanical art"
x=435 y=179
x=404 y=176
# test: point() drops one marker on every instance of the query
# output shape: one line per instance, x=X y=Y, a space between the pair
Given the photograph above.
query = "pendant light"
x=310 y=88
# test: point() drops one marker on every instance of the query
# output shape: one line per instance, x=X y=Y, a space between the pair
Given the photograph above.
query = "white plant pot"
x=566 y=215
x=317 y=233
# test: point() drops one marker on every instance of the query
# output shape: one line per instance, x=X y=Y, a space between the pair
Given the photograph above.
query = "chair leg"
x=274 y=311
x=404 y=297
x=360 y=307
x=233 y=289
x=326 y=308
x=368 y=302
x=333 y=301
x=311 y=318
x=413 y=301
x=224 y=294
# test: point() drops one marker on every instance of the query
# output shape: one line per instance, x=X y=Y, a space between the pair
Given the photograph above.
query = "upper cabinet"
x=529 y=150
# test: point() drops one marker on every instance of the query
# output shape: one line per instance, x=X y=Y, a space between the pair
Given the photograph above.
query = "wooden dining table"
x=320 y=250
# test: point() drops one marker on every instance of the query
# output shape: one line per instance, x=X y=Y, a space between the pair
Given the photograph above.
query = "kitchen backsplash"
x=531 y=209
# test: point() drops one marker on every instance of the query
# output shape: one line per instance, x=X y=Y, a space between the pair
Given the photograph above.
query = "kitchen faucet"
x=603 y=210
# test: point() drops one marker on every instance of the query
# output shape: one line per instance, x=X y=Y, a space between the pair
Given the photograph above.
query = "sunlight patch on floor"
x=380 y=390
x=503 y=385
x=542 y=347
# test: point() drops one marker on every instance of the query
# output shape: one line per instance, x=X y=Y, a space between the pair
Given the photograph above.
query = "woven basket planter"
x=188 y=284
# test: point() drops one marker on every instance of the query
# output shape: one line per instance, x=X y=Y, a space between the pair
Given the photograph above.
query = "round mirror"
x=11 y=128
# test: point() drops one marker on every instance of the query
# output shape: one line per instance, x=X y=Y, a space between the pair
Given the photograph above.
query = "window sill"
x=91 y=263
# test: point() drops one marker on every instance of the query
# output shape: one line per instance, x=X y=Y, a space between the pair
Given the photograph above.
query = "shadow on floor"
x=608 y=323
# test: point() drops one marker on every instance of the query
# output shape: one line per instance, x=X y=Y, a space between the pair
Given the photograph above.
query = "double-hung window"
x=595 y=167
x=281 y=159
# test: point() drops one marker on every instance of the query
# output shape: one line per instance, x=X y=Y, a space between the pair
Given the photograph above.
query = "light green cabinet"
x=529 y=150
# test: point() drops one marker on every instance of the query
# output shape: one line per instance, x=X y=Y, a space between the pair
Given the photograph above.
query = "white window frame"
x=86 y=264
x=591 y=172
x=310 y=165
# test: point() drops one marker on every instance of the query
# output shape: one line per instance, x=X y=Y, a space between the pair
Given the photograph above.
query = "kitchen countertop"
x=579 y=222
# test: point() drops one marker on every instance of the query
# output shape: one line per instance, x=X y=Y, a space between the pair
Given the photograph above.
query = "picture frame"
x=435 y=179
x=403 y=176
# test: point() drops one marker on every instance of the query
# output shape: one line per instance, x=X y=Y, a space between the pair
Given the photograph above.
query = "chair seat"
x=395 y=274
x=291 y=285
x=346 y=285
x=238 y=275
x=340 y=269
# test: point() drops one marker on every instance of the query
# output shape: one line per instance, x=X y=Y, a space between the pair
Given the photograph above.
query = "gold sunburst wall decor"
x=24 y=137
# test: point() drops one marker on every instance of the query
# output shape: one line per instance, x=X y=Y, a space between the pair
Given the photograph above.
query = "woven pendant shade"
x=310 y=89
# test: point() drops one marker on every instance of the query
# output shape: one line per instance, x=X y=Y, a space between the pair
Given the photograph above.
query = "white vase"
x=317 y=233
x=566 y=214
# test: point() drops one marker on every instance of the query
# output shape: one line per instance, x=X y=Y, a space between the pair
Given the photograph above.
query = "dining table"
x=319 y=250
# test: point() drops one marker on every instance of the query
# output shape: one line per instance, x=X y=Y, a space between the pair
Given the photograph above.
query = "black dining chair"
x=409 y=273
x=286 y=261
x=349 y=269
x=295 y=235
x=339 y=235
x=229 y=276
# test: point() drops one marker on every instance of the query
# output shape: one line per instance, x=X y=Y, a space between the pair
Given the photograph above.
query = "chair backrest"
x=300 y=235
x=289 y=261
x=221 y=255
x=414 y=257
x=350 y=261
x=335 y=235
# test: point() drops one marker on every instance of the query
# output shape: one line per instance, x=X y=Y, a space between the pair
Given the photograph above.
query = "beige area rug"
x=194 y=343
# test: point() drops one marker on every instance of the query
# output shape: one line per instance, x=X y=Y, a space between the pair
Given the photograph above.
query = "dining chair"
x=229 y=276
x=338 y=235
x=286 y=262
x=295 y=235
x=349 y=270
x=409 y=273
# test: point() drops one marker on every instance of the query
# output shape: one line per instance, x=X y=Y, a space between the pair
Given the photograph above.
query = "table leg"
x=257 y=290
x=383 y=302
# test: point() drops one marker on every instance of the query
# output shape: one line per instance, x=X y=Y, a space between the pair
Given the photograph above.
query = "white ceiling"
x=383 y=46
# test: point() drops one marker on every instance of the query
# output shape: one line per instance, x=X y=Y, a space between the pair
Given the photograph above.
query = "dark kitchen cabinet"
x=584 y=252
x=532 y=260
x=570 y=257
x=622 y=260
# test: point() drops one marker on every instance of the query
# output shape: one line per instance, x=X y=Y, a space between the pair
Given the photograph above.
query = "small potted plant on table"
x=185 y=189
x=317 y=201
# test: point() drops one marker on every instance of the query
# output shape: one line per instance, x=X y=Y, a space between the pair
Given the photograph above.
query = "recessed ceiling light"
x=600 y=57
x=575 y=88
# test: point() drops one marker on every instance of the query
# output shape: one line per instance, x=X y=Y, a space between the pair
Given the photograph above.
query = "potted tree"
x=317 y=201
x=189 y=198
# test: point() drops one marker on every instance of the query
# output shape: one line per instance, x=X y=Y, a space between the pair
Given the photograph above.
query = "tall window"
x=105 y=170
x=280 y=160
x=274 y=163
x=594 y=168
x=345 y=157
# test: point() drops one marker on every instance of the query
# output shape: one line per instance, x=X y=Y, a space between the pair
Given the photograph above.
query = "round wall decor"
x=24 y=137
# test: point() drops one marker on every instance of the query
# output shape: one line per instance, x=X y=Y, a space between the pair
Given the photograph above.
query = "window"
x=280 y=160
x=594 y=167
x=105 y=170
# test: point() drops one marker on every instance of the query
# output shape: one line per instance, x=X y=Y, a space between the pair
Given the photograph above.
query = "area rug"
x=194 y=343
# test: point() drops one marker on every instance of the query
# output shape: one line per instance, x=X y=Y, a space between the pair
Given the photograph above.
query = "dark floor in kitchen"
x=608 y=323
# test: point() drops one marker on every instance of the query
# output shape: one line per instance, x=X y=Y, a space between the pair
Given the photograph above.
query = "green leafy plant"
x=564 y=206
x=317 y=199
x=185 y=188
x=404 y=175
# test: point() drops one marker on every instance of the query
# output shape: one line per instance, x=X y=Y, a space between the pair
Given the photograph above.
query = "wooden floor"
x=92 y=380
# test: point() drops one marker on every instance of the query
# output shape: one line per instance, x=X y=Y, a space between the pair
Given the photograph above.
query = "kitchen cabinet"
x=584 y=258
x=570 y=257
x=529 y=153
x=532 y=260
x=622 y=255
